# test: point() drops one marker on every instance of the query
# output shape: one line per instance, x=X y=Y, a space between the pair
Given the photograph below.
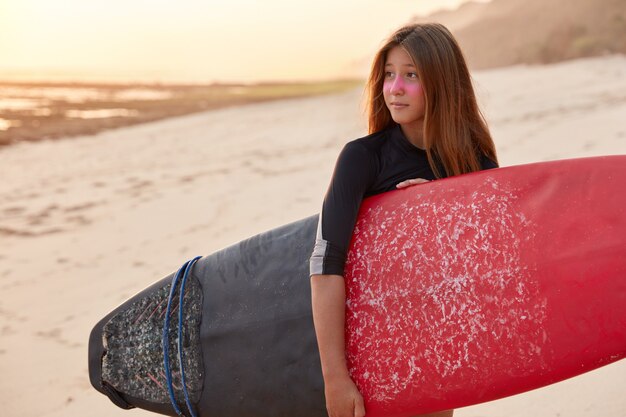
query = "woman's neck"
x=414 y=132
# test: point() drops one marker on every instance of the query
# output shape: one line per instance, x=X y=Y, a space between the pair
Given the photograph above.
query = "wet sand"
x=45 y=110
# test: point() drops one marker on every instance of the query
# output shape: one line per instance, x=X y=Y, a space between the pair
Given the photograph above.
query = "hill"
x=509 y=32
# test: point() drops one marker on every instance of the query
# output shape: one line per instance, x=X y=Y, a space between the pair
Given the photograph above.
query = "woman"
x=424 y=124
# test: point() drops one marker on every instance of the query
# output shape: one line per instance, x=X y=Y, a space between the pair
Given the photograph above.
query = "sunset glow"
x=192 y=40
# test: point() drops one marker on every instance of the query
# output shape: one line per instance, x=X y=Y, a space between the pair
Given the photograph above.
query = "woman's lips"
x=398 y=106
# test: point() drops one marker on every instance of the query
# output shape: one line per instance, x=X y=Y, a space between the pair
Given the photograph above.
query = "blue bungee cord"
x=180 y=335
x=184 y=271
x=166 y=328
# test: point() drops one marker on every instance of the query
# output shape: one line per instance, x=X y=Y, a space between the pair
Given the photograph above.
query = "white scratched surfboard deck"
x=486 y=285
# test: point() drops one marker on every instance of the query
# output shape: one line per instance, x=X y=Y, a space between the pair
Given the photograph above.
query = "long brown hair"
x=455 y=130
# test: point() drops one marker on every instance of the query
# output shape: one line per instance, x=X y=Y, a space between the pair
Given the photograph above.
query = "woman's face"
x=402 y=89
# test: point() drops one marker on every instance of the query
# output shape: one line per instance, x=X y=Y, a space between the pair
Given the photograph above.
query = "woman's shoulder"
x=370 y=143
x=363 y=151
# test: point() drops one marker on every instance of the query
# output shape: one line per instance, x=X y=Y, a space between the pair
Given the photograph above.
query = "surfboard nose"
x=126 y=355
x=97 y=351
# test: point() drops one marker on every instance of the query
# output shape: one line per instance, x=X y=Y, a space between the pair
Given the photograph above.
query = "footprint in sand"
x=186 y=179
x=56 y=335
x=38 y=218
x=35 y=221
x=12 y=316
x=79 y=219
x=136 y=188
x=7 y=231
x=80 y=207
x=7 y=330
x=12 y=211
x=587 y=146
x=50 y=334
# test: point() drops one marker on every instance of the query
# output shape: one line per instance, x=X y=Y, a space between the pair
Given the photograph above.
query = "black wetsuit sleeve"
x=355 y=171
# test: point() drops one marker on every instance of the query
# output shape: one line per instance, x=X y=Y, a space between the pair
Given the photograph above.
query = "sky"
x=198 y=40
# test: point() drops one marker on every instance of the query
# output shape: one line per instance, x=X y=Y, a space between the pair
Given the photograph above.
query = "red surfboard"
x=465 y=290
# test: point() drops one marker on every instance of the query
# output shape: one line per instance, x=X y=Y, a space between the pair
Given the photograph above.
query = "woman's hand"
x=328 y=301
x=343 y=398
x=413 y=181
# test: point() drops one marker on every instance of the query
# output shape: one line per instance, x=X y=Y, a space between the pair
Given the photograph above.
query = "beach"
x=88 y=221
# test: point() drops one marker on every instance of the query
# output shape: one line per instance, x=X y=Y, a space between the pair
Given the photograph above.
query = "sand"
x=87 y=222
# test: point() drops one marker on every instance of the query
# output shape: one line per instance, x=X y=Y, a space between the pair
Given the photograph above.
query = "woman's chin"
x=403 y=120
x=399 y=119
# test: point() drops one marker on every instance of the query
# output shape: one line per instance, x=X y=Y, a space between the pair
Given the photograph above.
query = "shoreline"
x=47 y=111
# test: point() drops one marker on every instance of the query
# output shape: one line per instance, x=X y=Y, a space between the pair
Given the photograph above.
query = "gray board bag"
x=248 y=341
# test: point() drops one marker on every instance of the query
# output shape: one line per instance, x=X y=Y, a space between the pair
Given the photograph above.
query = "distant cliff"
x=509 y=32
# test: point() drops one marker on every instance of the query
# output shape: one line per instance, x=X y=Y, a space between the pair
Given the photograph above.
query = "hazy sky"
x=198 y=40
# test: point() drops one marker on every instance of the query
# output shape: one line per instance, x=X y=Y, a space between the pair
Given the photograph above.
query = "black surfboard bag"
x=246 y=341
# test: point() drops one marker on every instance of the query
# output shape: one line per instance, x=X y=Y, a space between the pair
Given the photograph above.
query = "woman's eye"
x=411 y=75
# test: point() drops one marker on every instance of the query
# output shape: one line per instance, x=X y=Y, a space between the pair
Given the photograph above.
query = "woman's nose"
x=397 y=87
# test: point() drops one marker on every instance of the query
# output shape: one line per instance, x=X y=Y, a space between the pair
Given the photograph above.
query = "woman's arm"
x=354 y=172
x=328 y=300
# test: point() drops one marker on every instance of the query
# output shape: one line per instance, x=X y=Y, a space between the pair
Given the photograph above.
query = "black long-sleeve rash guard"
x=366 y=166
